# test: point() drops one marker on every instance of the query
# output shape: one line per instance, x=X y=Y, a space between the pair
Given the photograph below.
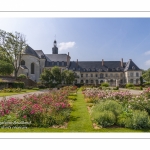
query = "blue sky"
x=90 y=39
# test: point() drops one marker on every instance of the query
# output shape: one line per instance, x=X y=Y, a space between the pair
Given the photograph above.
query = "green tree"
x=5 y=68
x=141 y=80
x=47 y=77
x=11 y=48
x=68 y=76
x=146 y=75
x=56 y=73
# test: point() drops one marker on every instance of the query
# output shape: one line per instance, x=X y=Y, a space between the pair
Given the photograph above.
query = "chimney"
x=77 y=63
x=102 y=62
x=121 y=62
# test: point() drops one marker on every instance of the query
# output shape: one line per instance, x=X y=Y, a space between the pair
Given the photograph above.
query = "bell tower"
x=55 y=49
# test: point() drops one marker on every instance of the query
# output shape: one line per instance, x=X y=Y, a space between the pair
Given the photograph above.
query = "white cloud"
x=64 y=46
x=147 y=63
x=147 y=53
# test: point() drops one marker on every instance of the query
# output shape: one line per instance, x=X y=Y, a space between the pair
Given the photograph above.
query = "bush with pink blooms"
x=42 y=110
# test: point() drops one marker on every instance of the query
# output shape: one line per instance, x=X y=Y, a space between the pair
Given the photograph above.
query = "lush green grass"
x=14 y=93
x=79 y=121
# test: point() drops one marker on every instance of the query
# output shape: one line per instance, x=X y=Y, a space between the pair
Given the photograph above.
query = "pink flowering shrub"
x=98 y=95
x=42 y=110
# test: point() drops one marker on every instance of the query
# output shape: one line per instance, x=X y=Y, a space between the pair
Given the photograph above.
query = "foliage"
x=47 y=76
x=5 y=68
x=146 y=75
x=22 y=76
x=11 y=48
x=68 y=76
x=136 y=120
x=56 y=73
x=129 y=85
x=18 y=85
x=104 y=118
x=109 y=105
x=141 y=80
x=105 y=84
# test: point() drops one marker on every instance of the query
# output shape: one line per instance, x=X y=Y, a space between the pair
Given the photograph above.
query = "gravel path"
x=22 y=95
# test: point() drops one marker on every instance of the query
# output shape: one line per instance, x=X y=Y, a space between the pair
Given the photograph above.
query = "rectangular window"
x=86 y=81
x=86 y=75
x=137 y=74
x=131 y=74
x=106 y=75
x=95 y=75
x=91 y=75
x=81 y=75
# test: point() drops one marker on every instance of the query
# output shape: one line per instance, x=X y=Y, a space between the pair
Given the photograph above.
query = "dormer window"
x=84 y=69
x=52 y=63
x=57 y=63
x=74 y=69
x=133 y=67
x=89 y=69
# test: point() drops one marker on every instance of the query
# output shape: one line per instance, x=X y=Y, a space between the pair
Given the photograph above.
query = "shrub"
x=129 y=85
x=18 y=85
x=105 y=84
x=109 y=105
x=105 y=118
x=135 y=120
x=22 y=76
x=116 y=88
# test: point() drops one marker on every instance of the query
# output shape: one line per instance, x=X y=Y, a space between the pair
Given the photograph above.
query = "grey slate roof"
x=95 y=66
x=40 y=54
x=30 y=51
x=56 y=57
x=131 y=66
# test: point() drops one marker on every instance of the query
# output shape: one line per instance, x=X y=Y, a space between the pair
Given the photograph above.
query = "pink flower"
x=24 y=116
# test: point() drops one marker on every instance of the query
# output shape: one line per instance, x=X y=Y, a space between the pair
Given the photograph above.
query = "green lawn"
x=14 y=93
x=79 y=121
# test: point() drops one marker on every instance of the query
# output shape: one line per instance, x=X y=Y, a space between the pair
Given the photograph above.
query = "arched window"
x=22 y=63
x=101 y=81
x=32 y=68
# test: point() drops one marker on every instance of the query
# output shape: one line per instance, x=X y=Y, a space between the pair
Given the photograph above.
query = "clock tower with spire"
x=55 y=49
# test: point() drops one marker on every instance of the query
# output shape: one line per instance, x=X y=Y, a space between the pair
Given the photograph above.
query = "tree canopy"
x=55 y=76
x=146 y=75
x=11 y=48
x=5 y=68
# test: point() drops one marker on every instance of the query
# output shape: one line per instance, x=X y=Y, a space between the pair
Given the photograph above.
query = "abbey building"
x=88 y=72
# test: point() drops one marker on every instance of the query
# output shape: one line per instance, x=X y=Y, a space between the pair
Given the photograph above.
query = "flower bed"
x=42 y=110
x=128 y=105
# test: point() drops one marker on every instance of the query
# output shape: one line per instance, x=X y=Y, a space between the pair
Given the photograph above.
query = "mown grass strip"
x=80 y=120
